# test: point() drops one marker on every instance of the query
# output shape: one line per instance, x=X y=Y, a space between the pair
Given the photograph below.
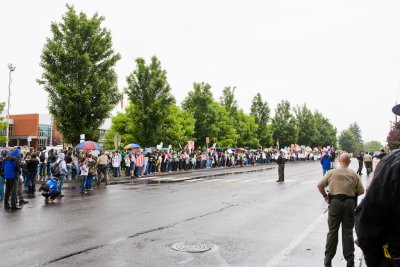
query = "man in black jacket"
x=281 y=167
x=360 y=158
x=32 y=167
x=378 y=215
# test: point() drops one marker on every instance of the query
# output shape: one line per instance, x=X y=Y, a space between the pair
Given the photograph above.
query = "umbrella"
x=164 y=149
x=89 y=145
x=130 y=146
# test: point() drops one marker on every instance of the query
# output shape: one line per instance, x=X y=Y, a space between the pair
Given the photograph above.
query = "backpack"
x=42 y=157
x=55 y=170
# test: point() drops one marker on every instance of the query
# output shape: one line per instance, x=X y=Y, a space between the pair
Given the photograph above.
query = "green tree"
x=79 y=76
x=3 y=124
x=348 y=142
x=125 y=125
x=178 y=127
x=223 y=132
x=228 y=101
x=306 y=125
x=261 y=112
x=284 y=125
x=246 y=128
x=200 y=103
x=326 y=133
x=372 y=146
x=356 y=130
x=150 y=93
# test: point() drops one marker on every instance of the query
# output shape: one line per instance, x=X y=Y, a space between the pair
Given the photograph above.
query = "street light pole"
x=11 y=68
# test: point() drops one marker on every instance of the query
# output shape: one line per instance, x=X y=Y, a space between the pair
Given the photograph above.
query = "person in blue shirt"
x=50 y=190
x=326 y=163
x=11 y=171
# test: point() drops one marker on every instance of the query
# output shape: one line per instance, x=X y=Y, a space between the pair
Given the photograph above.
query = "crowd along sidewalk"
x=179 y=176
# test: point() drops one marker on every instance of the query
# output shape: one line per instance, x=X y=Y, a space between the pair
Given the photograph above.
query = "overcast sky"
x=340 y=57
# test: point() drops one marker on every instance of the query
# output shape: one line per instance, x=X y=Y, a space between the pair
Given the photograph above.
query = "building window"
x=45 y=132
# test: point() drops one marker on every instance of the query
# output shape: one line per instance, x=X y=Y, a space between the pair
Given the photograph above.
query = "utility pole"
x=11 y=68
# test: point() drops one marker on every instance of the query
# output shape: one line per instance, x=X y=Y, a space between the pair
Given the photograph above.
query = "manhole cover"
x=190 y=247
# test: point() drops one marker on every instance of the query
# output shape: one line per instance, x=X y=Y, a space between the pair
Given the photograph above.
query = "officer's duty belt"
x=341 y=197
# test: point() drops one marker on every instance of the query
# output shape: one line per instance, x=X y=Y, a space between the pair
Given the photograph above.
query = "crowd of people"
x=22 y=167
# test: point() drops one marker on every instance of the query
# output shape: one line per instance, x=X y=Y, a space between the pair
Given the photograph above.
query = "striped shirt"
x=139 y=160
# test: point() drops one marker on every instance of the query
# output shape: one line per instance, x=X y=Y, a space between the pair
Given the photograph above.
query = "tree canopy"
x=78 y=74
x=150 y=93
x=261 y=112
x=348 y=141
x=373 y=146
x=284 y=125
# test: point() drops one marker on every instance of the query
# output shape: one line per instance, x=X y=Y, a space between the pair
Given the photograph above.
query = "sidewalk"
x=172 y=177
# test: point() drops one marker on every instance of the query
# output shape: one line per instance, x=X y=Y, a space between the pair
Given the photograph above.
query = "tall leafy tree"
x=223 y=132
x=228 y=100
x=246 y=128
x=284 y=125
x=3 y=124
x=178 y=127
x=348 y=141
x=306 y=125
x=356 y=130
x=149 y=91
x=261 y=112
x=326 y=134
x=124 y=123
x=78 y=74
x=200 y=103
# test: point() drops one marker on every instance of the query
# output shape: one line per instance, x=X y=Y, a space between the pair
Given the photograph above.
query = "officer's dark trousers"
x=281 y=172
x=11 y=191
x=340 y=212
x=360 y=167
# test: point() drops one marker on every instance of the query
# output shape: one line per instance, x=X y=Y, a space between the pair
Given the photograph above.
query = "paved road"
x=248 y=220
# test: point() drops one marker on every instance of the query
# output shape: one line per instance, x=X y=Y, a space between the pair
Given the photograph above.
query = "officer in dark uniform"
x=360 y=158
x=378 y=215
x=281 y=167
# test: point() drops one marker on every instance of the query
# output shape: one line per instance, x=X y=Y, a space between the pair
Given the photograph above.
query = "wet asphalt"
x=246 y=220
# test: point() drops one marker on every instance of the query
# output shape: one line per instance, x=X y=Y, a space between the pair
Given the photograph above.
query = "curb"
x=158 y=179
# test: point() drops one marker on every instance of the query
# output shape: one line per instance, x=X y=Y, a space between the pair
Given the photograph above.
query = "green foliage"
x=3 y=123
x=356 y=130
x=200 y=103
x=307 y=126
x=125 y=125
x=228 y=101
x=246 y=128
x=372 y=146
x=325 y=132
x=150 y=92
x=225 y=134
x=284 y=125
x=178 y=127
x=261 y=112
x=348 y=142
x=78 y=63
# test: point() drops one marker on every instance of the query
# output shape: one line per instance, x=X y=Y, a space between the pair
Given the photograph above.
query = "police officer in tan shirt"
x=344 y=188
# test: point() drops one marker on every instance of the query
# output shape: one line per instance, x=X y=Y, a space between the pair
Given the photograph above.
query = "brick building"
x=35 y=127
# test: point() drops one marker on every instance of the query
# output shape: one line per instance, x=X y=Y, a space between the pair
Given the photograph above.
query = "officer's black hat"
x=396 y=110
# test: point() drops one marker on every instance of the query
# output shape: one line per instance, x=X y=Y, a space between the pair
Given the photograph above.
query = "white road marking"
x=300 y=238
